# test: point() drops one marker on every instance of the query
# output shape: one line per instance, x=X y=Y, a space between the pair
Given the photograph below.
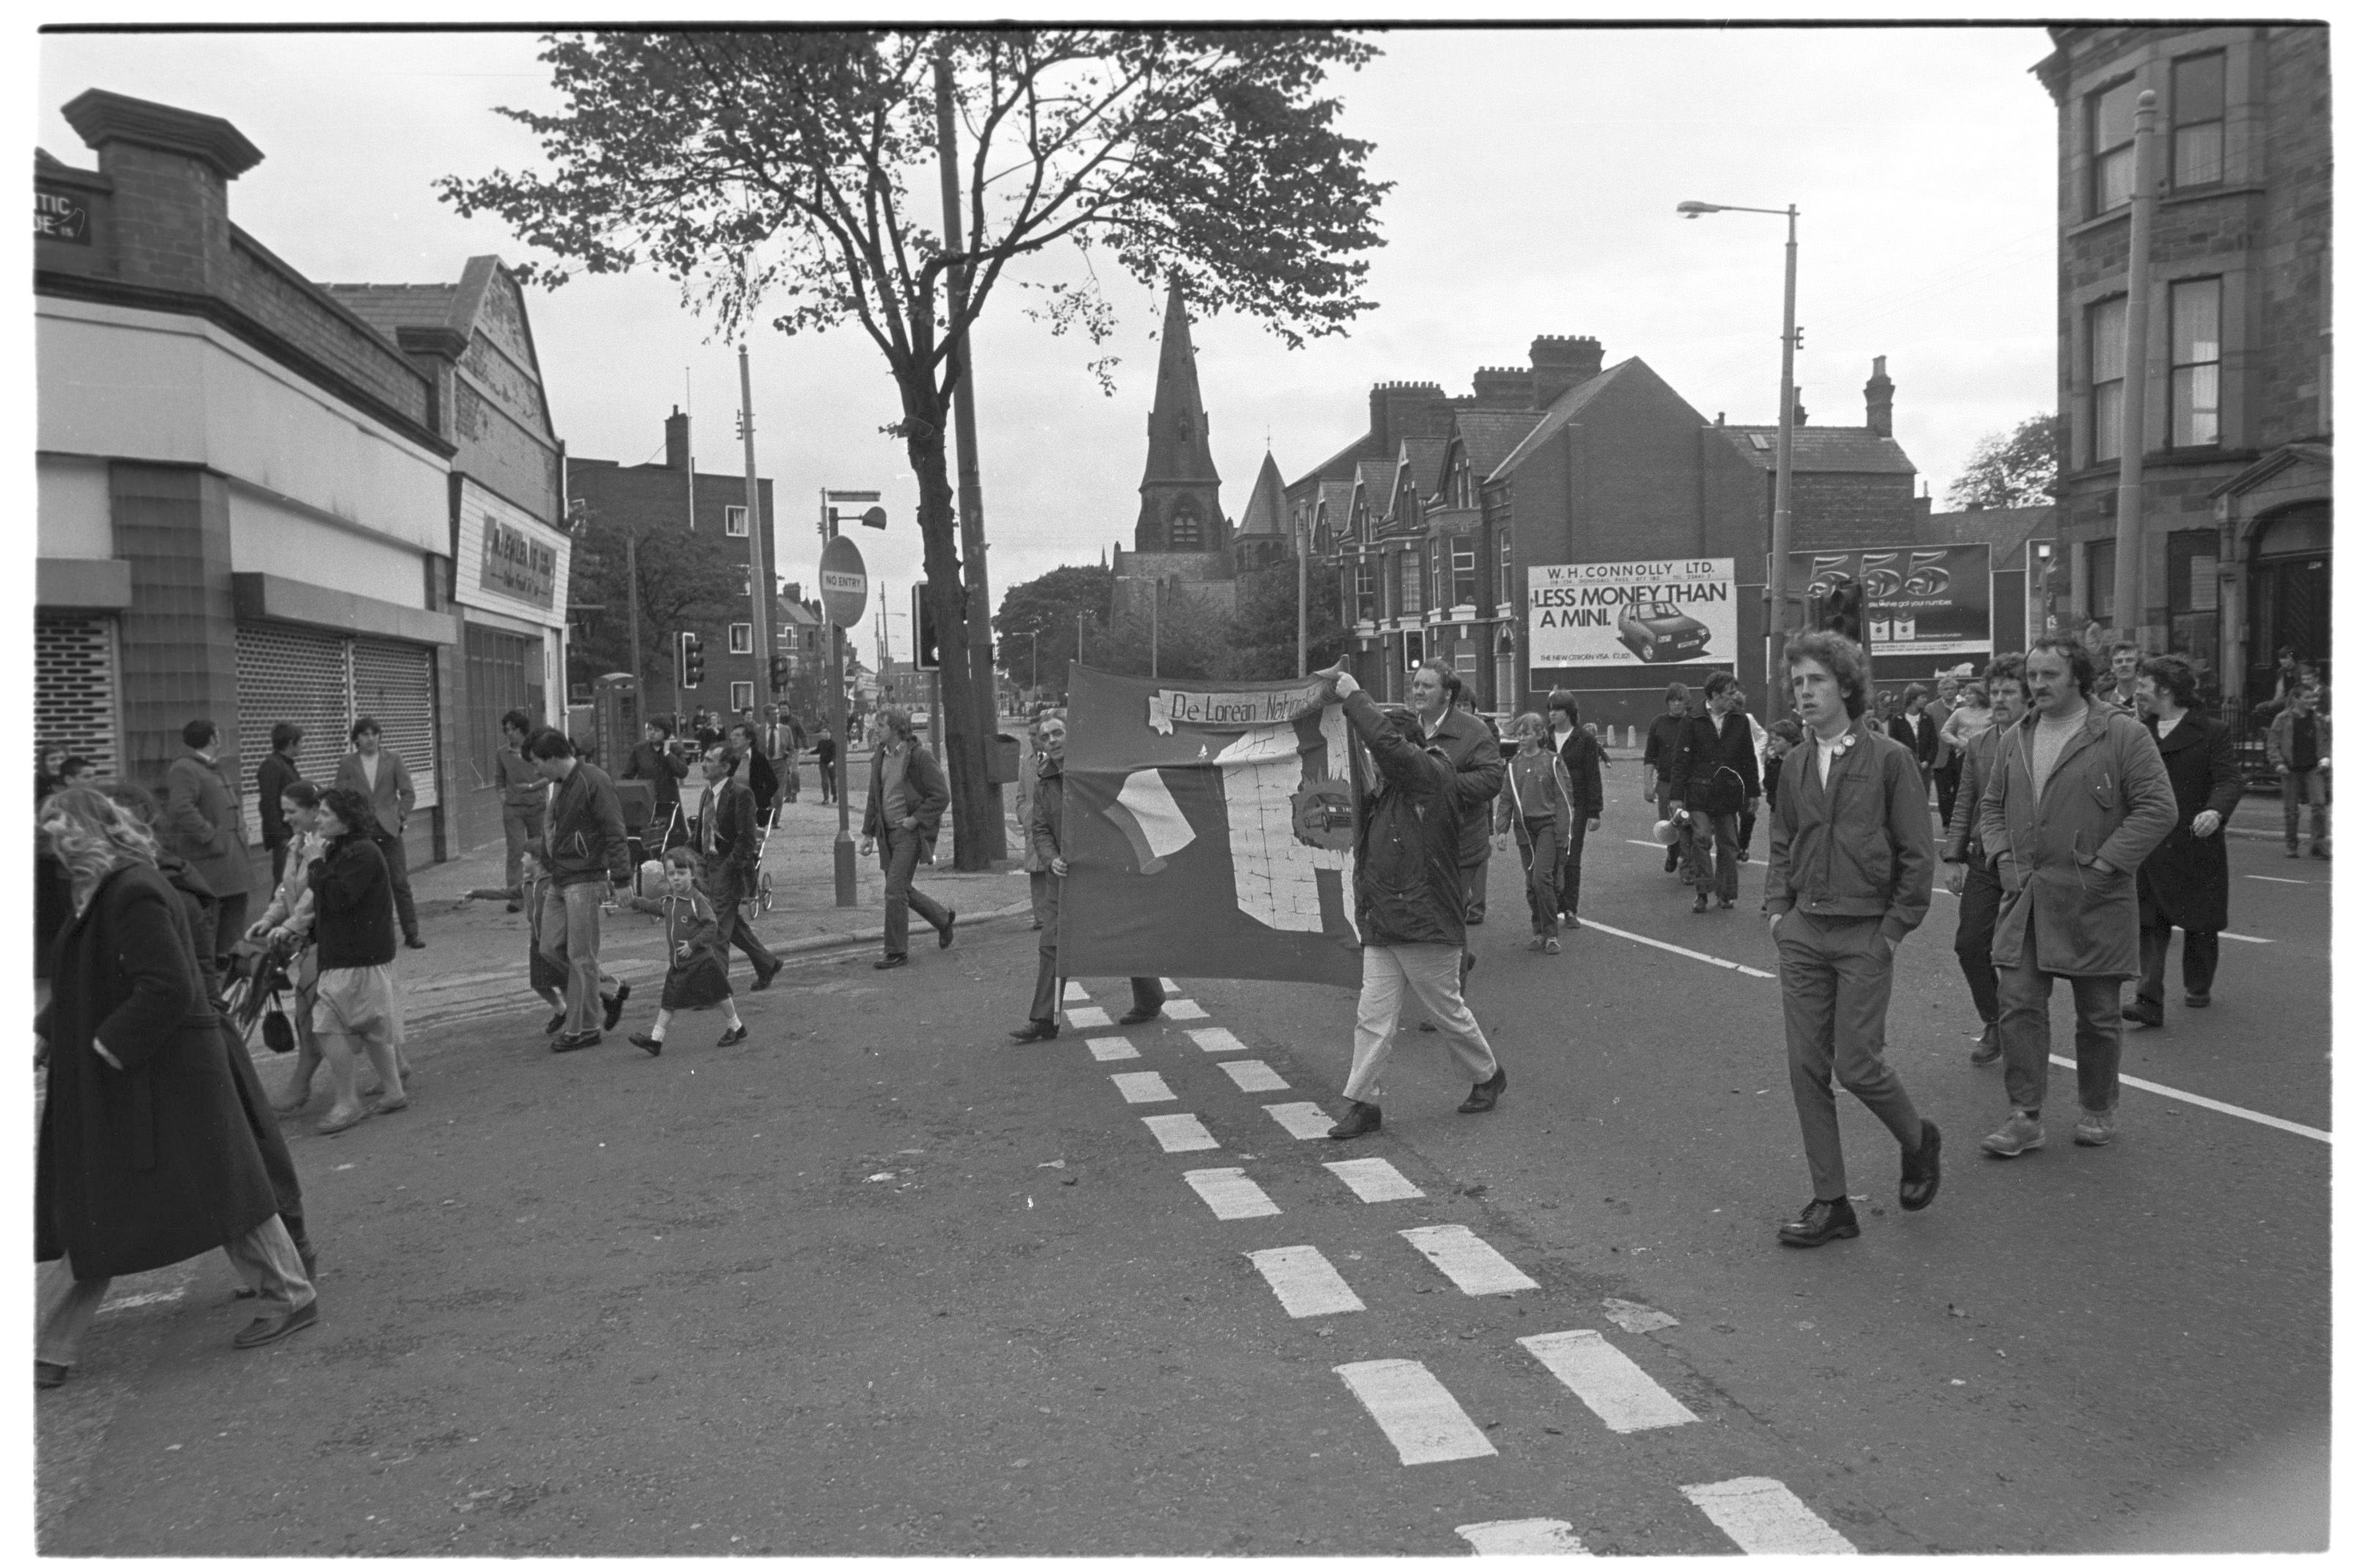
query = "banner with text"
x=1658 y=611
x=1921 y=601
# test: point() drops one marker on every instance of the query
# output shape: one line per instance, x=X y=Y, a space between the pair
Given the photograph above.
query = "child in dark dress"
x=698 y=953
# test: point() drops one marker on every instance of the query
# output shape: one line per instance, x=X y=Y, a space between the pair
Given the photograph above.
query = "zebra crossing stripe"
x=1302 y=1119
x=1607 y=1381
x=1374 y=1180
x=1074 y=993
x=1475 y=1267
x=1231 y=1194
x=1522 y=1535
x=1088 y=1017
x=1183 y=1008
x=1764 y=1517
x=1180 y=1134
x=1254 y=1078
x=1304 y=1280
x=1165 y=984
x=1112 y=1048
x=1141 y=1088
x=1420 y=1418
x=1215 y=1039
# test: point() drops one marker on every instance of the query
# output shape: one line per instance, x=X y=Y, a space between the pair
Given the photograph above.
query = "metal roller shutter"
x=74 y=687
x=290 y=674
x=394 y=684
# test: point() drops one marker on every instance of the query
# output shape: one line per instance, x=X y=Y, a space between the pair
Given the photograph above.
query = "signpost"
x=843 y=601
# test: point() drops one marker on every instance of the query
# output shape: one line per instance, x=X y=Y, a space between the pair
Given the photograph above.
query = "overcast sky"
x=1538 y=173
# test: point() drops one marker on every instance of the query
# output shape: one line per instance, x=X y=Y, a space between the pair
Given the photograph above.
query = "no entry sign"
x=843 y=582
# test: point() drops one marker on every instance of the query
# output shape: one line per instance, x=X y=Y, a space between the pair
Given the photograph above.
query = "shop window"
x=2192 y=600
x=2106 y=327
x=2195 y=383
x=2198 y=120
x=2111 y=145
x=739 y=520
x=739 y=639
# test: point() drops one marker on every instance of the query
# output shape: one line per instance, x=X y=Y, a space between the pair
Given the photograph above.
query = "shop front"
x=509 y=591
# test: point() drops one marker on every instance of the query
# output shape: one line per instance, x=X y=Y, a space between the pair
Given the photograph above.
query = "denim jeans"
x=1709 y=830
x=2311 y=787
x=572 y=936
x=2024 y=1032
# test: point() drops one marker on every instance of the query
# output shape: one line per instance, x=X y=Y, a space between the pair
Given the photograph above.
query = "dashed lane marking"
x=1254 y=1078
x=1656 y=845
x=1420 y=1418
x=1607 y=1381
x=1215 y=1039
x=1141 y=1088
x=1165 y=984
x=2128 y=1081
x=1673 y=948
x=1075 y=993
x=2241 y=937
x=1231 y=1194
x=1475 y=1267
x=1522 y=1535
x=1764 y=1517
x=1180 y=1134
x=1112 y=1048
x=1302 y=1119
x=1088 y=1017
x=153 y=1297
x=1304 y=1280
x=2301 y=882
x=1374 y=1180
x=1183 y=1008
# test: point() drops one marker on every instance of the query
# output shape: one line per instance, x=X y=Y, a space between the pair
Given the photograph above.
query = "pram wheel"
x=768 y=892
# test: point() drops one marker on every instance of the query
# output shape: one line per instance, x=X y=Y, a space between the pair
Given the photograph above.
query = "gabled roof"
x=1378 y=480
x=1267 y=510
x=1821 y=449
x=801 y=615
x=389 y=308
x=1341 y=467
x=1549 y=422
x=1488 y=437
x=1331 y=502
x=1427 y=459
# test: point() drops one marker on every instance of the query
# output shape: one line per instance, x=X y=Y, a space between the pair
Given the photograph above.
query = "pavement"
x=878 y=1282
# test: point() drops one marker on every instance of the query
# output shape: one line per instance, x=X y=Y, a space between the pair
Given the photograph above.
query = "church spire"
x=1180 y=508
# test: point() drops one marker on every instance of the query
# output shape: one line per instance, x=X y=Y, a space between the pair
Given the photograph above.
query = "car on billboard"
x=1663 y=636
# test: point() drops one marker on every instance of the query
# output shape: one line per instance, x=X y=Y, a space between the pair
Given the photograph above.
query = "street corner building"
x=264 y=498
x=1211 y=831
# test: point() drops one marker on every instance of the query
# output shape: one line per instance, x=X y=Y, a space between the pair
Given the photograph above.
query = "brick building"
x=244 y=500
x=2236 y=501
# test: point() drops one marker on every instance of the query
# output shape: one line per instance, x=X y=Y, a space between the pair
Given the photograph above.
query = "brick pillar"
x=180 y=645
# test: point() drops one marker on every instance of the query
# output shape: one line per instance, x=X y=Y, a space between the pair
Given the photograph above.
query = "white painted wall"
x=74 y=513
x=269 y=536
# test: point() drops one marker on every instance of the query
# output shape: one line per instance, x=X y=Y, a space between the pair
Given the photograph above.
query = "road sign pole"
x=843 y=598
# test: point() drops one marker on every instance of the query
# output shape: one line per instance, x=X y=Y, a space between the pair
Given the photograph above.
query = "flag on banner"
x=1211 y=831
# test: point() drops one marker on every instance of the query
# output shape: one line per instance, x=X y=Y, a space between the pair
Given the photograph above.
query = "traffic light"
x=1844 y=610
x=689 y=660
x=781 y=672
x=925 y=649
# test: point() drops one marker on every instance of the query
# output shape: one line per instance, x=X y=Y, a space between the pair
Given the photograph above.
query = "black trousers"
x=1946 y=787
x=727 y=890
x=1566 y=902
x=400 y=883
x=1979 y=917
x=2199 y=950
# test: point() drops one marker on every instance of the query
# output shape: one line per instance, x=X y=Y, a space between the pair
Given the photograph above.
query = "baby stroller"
x=764 y=884
x=252 y=996
x=653 y=824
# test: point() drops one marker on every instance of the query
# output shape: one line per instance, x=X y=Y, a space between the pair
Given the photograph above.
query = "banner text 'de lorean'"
x=1231 y=707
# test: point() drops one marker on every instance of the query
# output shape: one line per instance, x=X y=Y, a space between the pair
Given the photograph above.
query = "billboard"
x=1921 y=601
x=1660 y=612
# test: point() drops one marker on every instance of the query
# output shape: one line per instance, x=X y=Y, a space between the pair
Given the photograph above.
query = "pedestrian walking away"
x=1850 y=873
x=2298 y=745
x=378 y=775
x=1660 y=746
x=357 y=1003
x=273 y=776
x=906 y=796
x=523 y=803
x=1713 y=768
x=727 y=833
x=1583 y=757
x=145 y=1157
x=585 y=843
x=2186 y=882
x=2075 y=803
x=1967 y=872
x=1535 y=806
x=203 y=827
x=1409 y=906
x=693 y=934
x=830 y=759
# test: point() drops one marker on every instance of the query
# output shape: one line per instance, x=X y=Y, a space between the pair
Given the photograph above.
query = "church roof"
x=1177 y=416
x=1267 y=510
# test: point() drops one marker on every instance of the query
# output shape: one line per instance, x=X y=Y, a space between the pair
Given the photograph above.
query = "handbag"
x=279 y=1035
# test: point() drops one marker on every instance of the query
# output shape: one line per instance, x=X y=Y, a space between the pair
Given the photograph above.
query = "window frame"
x=2099 y=589
x=1463 y=565
x=2209 y=370
x=735 y=630
x=2106 y=443
x=738 y=519
x=1409 y=584
x=2203 y=122
x=2102 y=152
x=740 y=702
x=1504 y=581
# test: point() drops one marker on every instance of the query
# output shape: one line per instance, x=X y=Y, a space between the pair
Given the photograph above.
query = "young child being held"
x=698 y=953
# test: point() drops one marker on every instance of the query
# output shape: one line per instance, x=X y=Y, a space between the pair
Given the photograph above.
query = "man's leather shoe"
x=1986 y=1050
x=2146 y=1018
x=413 y=940
x=1671 y=864
x=760 y=982
x=892 y=962
x=1358 y=1119
x=577 y=1042
x=553 y=1025
x=1921 y=1172
x=273 y=1328
x=1482 y=1096
x=1032 y=1032
x=948 y=929
x=1702 y=903
x=614 y=1004
x=2198 y=999
x=513 y=909
x=1822 y=1221
x=1140 y=1015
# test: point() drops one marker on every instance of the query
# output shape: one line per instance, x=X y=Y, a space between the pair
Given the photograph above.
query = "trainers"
x=1358 y=1119
x=2096 y=1129
x=1553 y=944
x=1822 y=1221
x=2018 y=1134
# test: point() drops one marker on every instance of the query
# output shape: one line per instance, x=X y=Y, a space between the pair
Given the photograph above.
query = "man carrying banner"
x=1045 y=842
x=1409 y=901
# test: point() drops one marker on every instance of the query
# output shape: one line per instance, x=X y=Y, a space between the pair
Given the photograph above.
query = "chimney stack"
x=1880 y=402
x=674 y=440
x=1559 y=363
x=1801 y=412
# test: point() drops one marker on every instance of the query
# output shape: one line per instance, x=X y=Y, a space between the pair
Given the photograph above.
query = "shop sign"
x=515 y=564
x=1920 y=601
x=1660 y=612
x=61 y=215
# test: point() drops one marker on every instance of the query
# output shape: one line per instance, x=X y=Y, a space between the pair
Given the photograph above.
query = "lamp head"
x=1691 y=209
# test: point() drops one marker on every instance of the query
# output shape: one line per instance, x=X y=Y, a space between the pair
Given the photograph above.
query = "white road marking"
x=1374 y=1180
x=1764 y=1517
x=1302 y=1119
x=1166 y=986
x=1112 y=1048
x=1522 y=1535
x=2242 y=937
x=1673 y=948
x=1215 y=1039
x=1074 y=993
x=1304 y=1282
x=1141 y=1088
x=1183 y=1008
x=154 y=1297
x=1420 y=1418
x=1180 y=1134
x=1607 y=1381
x=1254 y=1078
x=1088 y=1017
x=1656 y=845
x=1231 y=1194
x=2301 y=882
x=1475 y=1267
x=2128 y=1081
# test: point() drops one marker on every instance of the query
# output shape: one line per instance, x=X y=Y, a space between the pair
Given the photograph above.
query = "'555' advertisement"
x=1919 y=600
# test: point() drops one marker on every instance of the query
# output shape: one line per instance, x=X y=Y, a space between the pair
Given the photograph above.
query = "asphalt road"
x=878 y=1282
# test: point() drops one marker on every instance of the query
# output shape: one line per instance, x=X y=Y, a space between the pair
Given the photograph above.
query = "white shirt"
x=1827 y=750
x=372 y=767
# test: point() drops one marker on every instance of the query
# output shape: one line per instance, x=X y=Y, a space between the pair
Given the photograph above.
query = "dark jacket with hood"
x=1408 y=838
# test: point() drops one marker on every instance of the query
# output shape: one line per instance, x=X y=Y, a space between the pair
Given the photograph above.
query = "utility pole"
x=636 y=631
x=1297 y=666
x=846 y=854
x=2129 y=549
x=1780 y=531
x=754 y=530
x=677 y=681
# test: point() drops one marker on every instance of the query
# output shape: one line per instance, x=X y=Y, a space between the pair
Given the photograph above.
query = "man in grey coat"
x=203 y=827
x=378 y=775
x=2076 y=801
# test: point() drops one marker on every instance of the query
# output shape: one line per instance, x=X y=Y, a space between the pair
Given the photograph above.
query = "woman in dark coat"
x=146 y=1157
x=2186 y=882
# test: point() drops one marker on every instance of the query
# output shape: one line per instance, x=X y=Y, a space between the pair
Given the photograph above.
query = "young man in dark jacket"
x=1713 y=770
x=1661 y=743
x=1045 y=842
x=727 y=836
x=585 y=843
x=1409 y=905
x=1969 y=873
x=274 y=775
x=1582 y=755
x=1851 y=873
x=906 y=797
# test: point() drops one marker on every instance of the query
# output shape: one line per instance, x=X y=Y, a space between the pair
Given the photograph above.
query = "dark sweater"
x=274 y=775
x=355 y=918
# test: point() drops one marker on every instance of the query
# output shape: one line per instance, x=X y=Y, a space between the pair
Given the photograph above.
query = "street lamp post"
x=1780 y=532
